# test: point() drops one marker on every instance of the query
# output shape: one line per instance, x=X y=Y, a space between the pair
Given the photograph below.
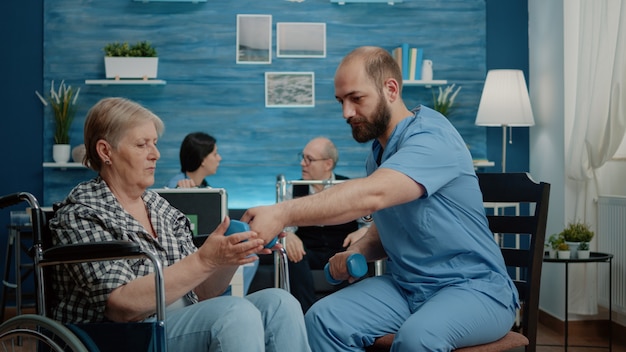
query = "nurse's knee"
x=320 y=314
x=420 y=336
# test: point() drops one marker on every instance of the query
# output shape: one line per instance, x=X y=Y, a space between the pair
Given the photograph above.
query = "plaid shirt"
x=91 y=213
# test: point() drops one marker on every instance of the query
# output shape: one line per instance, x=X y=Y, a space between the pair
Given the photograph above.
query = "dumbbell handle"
x=240 y=226
x=357 y=268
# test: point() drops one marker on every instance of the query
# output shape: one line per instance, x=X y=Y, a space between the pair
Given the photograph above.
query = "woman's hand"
x=186 y=183
x=236 y=249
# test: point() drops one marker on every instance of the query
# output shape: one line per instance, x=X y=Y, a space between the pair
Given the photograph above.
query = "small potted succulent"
x=122 y=60
x=563 y=251
x=583 y=250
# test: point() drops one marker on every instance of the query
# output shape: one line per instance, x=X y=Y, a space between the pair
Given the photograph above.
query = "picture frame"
x=254 y=39
x=289 y=89
x=301 y=39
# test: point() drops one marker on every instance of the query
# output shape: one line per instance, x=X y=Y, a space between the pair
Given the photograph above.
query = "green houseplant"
x=575 y=233
x=140 y=49
x=63 y=104
x=563 y=251
x=444 y=101
x=123 y=60
x=583 y=250
x=553 y=243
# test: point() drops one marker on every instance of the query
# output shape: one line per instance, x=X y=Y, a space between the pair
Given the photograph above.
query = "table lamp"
x=505 y=102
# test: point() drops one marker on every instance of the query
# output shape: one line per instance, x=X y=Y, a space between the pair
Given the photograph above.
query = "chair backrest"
x=531 y=228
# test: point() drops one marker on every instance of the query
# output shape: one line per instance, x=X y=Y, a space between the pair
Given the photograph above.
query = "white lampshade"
x=505 y=100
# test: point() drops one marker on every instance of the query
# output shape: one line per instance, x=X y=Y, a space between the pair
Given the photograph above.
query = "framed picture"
x=301 y=39
x=254 y=39
x=289 y=89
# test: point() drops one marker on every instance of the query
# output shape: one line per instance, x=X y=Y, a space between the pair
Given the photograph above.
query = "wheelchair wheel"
x=32 y=332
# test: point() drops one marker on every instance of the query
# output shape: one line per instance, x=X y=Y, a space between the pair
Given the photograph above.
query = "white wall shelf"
x=194 y=1
x=343 y=2
x=426 y=84
x=483 y=163
x=106 y=82
x=64 y=165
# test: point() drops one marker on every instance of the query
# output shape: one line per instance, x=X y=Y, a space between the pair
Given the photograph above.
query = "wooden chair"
x=513 y=188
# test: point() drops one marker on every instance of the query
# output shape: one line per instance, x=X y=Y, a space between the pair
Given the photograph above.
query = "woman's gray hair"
x=109 y=120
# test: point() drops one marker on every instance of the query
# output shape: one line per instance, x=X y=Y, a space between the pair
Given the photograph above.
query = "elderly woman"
x=121 y=141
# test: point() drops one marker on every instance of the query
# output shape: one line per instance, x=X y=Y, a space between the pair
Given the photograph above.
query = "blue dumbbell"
x=240 y=226
x=357 y=268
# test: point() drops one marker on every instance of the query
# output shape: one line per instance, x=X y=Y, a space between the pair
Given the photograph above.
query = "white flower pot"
x=583 y=254
x=564 y=254
x=131 y=67
x=552 y=253
x=61 y=153
x=573 y=247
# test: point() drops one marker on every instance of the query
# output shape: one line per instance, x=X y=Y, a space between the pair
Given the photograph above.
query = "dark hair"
x=194 y=148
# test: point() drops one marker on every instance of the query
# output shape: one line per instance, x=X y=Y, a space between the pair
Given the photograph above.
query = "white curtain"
x=599 y=122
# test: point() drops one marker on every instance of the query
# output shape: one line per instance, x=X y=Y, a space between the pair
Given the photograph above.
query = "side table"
x=594 y=257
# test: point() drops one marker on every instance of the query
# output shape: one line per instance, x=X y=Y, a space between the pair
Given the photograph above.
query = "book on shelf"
x=409 y=60
x=405 y=60
x=397 y=54
x=412 y=63
x=415 y=66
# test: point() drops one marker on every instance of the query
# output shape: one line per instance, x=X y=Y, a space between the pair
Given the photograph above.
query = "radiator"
x=611 y=238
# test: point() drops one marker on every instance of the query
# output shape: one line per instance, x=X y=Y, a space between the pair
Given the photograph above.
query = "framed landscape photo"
x=289 y=89
x=254 y=39
x=301 y=39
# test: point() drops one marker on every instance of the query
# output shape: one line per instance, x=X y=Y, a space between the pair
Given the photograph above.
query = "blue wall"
x=206 y=89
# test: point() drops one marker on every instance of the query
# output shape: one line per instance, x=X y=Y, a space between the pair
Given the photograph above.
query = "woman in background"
x=198 y=160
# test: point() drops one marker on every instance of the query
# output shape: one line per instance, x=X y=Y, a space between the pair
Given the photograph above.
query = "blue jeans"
x=267 y=320
x=248 y=275
x=351 y=318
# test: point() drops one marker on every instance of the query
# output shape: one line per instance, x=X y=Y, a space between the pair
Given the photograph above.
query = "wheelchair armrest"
x=103 y=251
x=92 y=251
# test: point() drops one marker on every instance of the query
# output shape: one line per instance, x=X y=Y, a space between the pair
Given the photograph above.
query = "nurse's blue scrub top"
x=443 y=238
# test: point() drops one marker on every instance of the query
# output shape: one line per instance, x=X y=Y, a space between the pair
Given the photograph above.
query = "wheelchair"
x=38 y=332
x=281 y=273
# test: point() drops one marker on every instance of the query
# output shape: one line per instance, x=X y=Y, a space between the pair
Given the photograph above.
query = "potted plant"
x=563 y=251
x=553 y=244
x=574 y=234
x=445 y=99
x=583 y=250
x=63 y=103
x=122 y=60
